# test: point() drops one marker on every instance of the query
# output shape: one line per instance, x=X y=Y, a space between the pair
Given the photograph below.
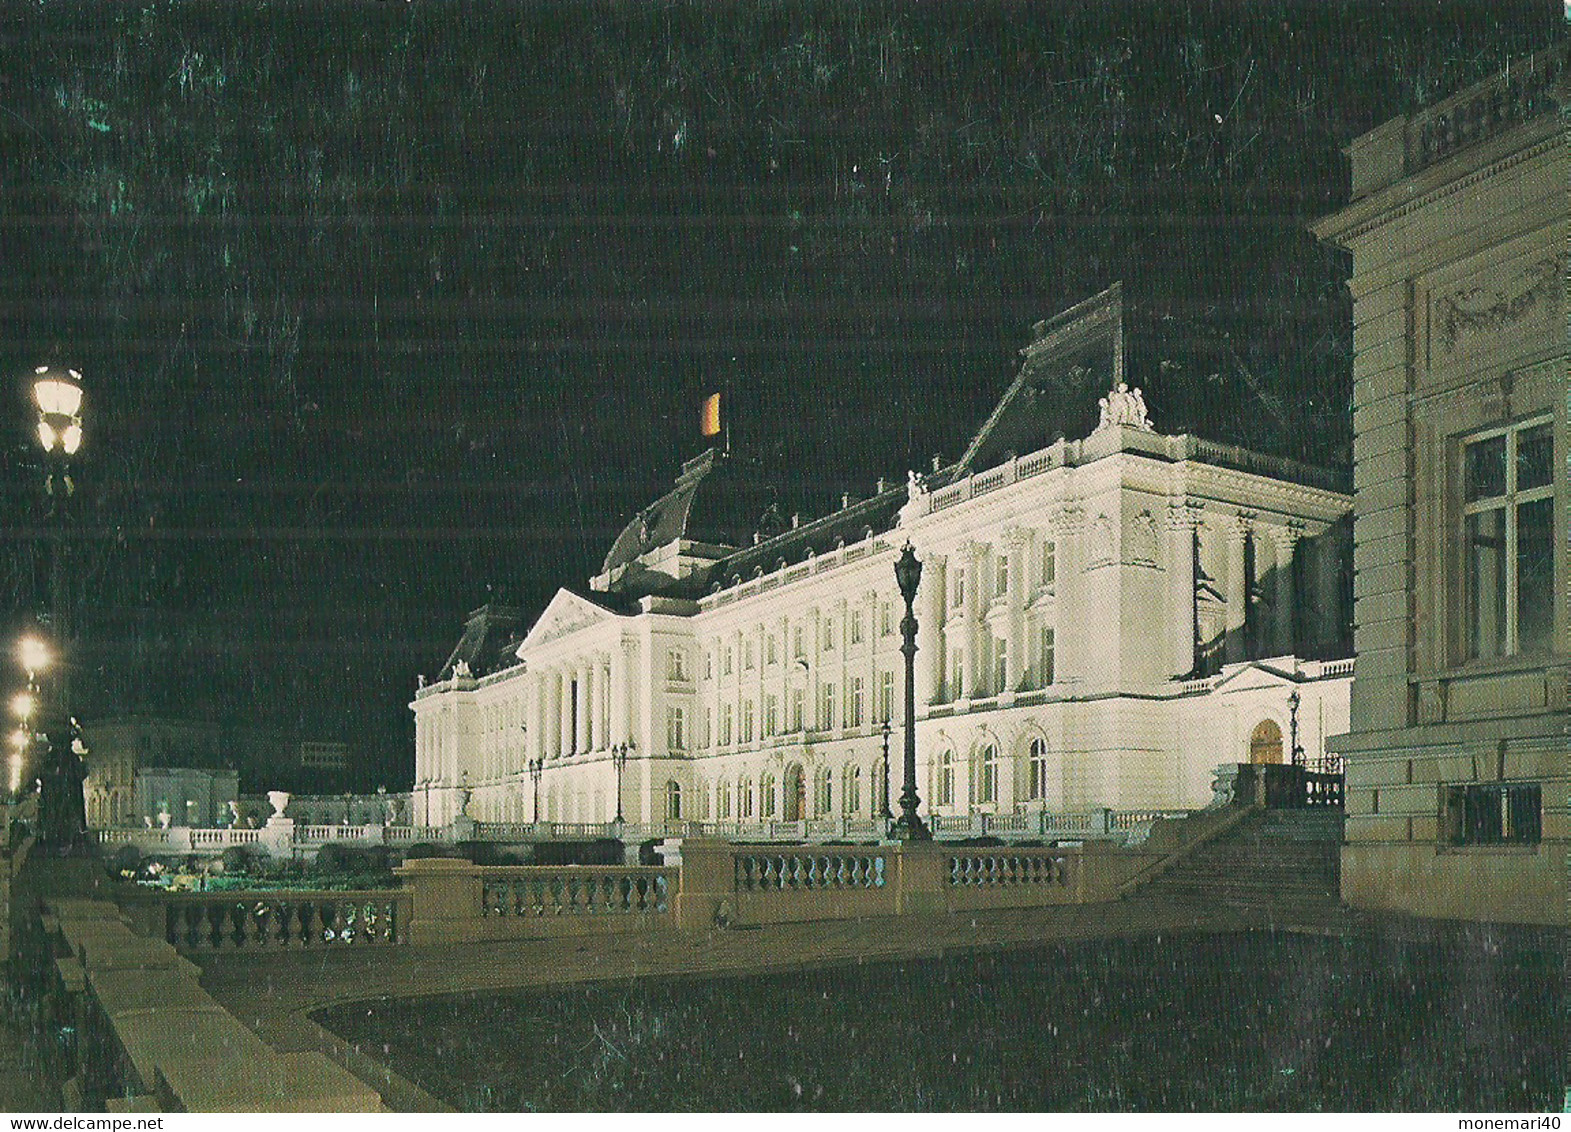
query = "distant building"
x=142 y=766
x=1103 y=620
x=1457 y=758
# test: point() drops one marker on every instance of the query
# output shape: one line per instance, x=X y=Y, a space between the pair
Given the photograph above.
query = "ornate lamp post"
x=536 y=769
x=1296 y=752
x=62 y=808
x=619 y=754
x=908 y=575
x=883 y=806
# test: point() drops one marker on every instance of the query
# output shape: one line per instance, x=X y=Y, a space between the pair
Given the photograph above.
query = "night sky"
x=389 y=309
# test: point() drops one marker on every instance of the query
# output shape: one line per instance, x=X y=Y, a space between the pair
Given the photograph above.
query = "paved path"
x=273 y=991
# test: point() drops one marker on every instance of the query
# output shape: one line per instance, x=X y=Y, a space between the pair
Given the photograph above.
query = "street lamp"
x=883 y=810
x=57 y=395
x=908 y=575
x=619 y=754
x=536 y=769
x=1296 y=752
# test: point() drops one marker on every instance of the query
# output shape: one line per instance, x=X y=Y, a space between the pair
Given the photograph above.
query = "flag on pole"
x=709 y=416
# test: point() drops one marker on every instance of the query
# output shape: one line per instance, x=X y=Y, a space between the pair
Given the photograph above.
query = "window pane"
x=1535 y=458
x=1486 y=469
x=1486 y=584
x=1535 y=569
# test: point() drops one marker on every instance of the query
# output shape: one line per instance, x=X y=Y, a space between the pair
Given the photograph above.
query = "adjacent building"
x=1104 y=619
x=1457 y=756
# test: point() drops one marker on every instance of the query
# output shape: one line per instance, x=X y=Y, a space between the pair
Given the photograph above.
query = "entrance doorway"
x=1265 y=743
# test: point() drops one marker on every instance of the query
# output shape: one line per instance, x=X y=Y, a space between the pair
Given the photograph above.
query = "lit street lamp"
x=908 y=575
x=1295 y=751
x=62 y=811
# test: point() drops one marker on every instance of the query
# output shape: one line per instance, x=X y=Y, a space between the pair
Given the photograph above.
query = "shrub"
x=237 y=859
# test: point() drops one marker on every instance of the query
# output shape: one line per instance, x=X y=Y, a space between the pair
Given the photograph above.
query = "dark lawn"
x=1231 y=1022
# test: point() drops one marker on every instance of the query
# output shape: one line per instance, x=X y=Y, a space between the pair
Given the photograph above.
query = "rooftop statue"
x=1124 y=406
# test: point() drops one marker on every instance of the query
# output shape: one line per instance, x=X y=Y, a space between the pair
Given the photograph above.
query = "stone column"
x=970 y=558
x=1182 y=519
x=1286 y=539
x=564 y=707
x=617 y=725
x=1069 y=661
x=581 y=708
x=594 y=736
x=929 y=630
x=1016 y=543
x=1328 y=590
x=1236 y=644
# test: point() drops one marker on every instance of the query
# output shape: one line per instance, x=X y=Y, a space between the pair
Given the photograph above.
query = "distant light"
x=71 y=438
x=46 y=436
x=34 y=654
x=23 y=704
x=19 y=741
x=59 y=396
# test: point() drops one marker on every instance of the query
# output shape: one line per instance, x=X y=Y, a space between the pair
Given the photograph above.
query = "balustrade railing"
x=273 y=920
x=575 y=891
x=808 y=872
x=984 y=868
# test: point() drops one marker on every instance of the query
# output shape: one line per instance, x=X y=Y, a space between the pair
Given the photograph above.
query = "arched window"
x=744 y=799
x=673 y=800
x=1036 y=776
x=851 y=790
x=987 y=774
x=723 y=801
x=946 y=778
x=766 y=796
x=824 y=801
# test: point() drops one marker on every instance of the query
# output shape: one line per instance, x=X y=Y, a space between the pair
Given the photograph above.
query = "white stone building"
x=1103 y=620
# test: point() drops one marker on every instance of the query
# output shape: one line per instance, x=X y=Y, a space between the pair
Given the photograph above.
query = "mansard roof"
x=489 y=641
x=666 y=519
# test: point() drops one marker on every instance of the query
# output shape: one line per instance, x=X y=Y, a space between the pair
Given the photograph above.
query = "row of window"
x=725 y=659
x=982 y=785
x=736 y=723
x=1038 y=672
x=790 y=800
x=1047 y=572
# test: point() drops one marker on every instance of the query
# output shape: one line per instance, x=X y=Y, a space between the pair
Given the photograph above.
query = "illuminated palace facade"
x=1103 y=621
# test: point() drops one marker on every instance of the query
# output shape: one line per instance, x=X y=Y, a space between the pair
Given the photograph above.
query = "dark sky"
x=388 y=308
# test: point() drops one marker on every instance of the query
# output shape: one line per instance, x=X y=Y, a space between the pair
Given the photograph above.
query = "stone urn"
x=279 y=800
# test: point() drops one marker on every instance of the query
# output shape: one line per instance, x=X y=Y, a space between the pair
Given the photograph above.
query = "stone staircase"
x=1274 y=858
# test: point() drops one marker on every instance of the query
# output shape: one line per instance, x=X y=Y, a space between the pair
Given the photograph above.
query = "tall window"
x=771 y=716
x=722 y=800
x=798 y=696
x=885 y=620
x=858 y=699
x=851 y=790
x=823 y=804
x=957 y=588
x=676 y=729
x=725 y=725
x=886 y=696
x=673 y=800
x=987 y=775
x=826 y=707
x=709 y=665
x=946 y=779
x=1044 y=658
x=771 y=650
x=747 y=654
x=1049 y=564
x=747 y=721
x=1508 y=540
x=829 y=634
x=1000 y=663
x=796 y=643
x=726 y=664
x=766 y=796
x=856 y=626
x=1001 y=576
x=1036 y=778
x=744 y=798
x=957 y=673
x=676 y=664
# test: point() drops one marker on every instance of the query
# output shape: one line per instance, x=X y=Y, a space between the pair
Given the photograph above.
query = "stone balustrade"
x=193 y=922
x=574 y=891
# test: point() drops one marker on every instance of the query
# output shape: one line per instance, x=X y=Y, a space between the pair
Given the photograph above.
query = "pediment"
x=566 y=613
x=1253 y=677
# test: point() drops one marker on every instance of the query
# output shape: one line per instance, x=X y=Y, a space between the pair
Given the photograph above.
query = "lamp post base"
x=914 y=829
